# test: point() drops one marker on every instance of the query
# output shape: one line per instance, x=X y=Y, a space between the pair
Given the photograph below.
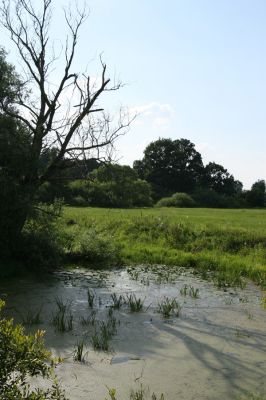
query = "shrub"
x=98 y=247
x=23 y=356
x=177 y=200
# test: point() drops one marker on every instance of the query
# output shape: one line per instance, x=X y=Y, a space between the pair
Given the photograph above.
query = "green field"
x=227 y=245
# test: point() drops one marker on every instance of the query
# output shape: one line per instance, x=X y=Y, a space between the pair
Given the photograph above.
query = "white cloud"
x=157 y=114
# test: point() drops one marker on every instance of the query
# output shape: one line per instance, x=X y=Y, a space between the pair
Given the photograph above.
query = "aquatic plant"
x=194 y=292
x=90 y=320
x=169 y=307
x=135 y=304
x=61 y=305
x=184 y=290
x=91 y=297
x=32 y=317
x=101 y=337
x=62 y=320
x=78 y=354
x=117 y=300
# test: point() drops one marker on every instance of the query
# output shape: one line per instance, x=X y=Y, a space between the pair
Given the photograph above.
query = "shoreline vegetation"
x=229 y=245
x=225 y=245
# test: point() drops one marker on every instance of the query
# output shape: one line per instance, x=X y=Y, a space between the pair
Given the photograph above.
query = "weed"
x=135 y=304
x=184 y=290
x=117 y=300
x=194 y=293
x=78 y=354
x=169 y=307
x=32 y=317
x=90 y=320
x=61 y=305
x=62 y=320
x=91 y=297
x=100 y=339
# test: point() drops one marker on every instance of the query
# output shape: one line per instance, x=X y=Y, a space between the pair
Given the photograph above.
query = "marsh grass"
x=135 y=304
x=32 y=317
x=62 y=320
x=89 y=320
x=139 y=394
x=189 y=291
x=91 y=297
x=169 y=307
x=78 y=353
x=61 y=305
x=117 y=301
x=104 y=332
x=194 y=292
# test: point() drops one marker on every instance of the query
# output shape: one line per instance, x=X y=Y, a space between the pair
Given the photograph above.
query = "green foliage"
x=177 y=200
x=116 y=185
x=79 y=354
x=23 y=356
x=256 y=196
x=170 y=166
x=225 y=244
x=169 y=307
x=135 y=304
x=96 y=247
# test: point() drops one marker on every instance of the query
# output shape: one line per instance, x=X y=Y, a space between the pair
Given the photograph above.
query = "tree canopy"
x=170 y=166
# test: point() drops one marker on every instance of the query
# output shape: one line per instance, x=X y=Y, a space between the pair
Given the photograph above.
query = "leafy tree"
x=217 y=178
x=170 y=166
x=23 y=356
x=256 y=196
x=77 y=129
x=114 y=185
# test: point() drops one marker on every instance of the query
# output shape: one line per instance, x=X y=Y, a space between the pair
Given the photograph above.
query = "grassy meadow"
x=226 y=245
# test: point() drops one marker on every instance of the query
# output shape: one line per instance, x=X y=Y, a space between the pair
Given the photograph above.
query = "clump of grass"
x=90 y=320
x=194 y=292
x=143 y=393
x=135 y=304
x=169 y=307
x=104 y=332
x=140 y=394
x=91 y=297
x=117 y=300
x=184 y=290
x=61 y=305
x=32 y=317
x=101 y=338
x=189 y=291
x=224 y=279
x=78 y=354
x=62 y=321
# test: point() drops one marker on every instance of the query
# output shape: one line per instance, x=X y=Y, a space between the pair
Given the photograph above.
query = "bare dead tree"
x=66 y=115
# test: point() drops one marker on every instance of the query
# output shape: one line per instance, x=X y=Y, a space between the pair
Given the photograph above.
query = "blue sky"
x=195 y=69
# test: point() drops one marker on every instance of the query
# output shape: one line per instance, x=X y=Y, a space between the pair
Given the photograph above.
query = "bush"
x=41 y=243
x=98 y=248
x=210 y=198
x=23 y=356
x=177 y=200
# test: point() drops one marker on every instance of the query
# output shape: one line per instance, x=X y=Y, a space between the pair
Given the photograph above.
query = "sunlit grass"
x=229 y=244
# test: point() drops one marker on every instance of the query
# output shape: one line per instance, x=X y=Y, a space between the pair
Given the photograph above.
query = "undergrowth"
x=228 y=246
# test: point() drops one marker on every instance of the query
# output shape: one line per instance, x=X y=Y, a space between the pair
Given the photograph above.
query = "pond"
x=212 y=345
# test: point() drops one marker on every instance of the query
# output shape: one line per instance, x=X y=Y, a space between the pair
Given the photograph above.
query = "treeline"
x=171 y=173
